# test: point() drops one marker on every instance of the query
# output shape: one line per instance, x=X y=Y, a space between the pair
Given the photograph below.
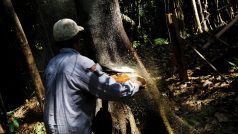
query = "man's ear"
x=93 y=68
x=95 y=71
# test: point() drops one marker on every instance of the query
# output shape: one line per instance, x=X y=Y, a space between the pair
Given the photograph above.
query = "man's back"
x=68 y=109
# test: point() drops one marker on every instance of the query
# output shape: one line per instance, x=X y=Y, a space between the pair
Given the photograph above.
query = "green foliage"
x=145 y=37
x=40 y=128
x=136 y=44
x=13 y=122
x=141 y=11
x=128 y=19
x=234 y=65
x=152 y=3
x=39 y=46
x=161 y=41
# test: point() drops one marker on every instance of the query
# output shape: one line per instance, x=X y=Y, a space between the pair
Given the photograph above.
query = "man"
x=73 y=82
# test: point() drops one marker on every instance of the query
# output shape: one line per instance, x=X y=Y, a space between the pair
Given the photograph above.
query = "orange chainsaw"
x=122 y=74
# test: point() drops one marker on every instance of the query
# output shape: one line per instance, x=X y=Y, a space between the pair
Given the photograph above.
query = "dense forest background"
x=188 y=48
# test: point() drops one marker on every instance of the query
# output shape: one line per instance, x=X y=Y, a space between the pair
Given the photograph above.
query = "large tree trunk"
x=105 y=28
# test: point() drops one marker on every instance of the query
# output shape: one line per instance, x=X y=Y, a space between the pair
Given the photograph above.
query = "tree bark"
x=26 y=50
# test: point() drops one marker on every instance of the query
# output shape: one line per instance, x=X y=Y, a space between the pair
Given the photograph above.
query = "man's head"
x=65 y=29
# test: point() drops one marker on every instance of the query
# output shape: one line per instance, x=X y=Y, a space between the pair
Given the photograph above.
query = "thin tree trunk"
x=207 y=15
x=229 y=9
x=138 y=11
x=176 y=45
x=204 y=24
x=234 y=5
x=26 y=50
x=198 y=22
x=179 y=15
x=219 y=18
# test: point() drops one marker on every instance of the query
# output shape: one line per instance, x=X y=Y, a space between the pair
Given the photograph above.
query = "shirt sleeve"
x=105 y=87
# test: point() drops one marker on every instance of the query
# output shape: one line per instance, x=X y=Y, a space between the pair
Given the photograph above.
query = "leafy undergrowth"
x=33 y=128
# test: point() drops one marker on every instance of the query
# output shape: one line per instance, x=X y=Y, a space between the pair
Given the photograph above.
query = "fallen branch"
x=220 y=40
x=220 y=33
x=208 y=62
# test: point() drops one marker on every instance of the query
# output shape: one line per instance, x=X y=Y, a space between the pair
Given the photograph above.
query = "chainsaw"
x=123 y=73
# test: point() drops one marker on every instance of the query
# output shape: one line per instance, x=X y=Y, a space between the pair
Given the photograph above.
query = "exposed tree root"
x=122 y=119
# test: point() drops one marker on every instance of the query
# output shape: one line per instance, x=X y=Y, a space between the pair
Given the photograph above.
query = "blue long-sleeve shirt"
x=72 y=89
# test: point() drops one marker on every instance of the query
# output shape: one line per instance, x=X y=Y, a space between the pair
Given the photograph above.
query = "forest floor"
x=207 y=103
x=208 y=100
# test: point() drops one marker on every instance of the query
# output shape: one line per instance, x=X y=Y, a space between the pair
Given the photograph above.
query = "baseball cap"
x=65 y=29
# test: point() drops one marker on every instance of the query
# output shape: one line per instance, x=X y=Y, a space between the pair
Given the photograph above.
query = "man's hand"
x=123 y=77
x=141 y=80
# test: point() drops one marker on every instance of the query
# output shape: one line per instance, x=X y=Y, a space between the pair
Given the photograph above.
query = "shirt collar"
x=68 y=50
